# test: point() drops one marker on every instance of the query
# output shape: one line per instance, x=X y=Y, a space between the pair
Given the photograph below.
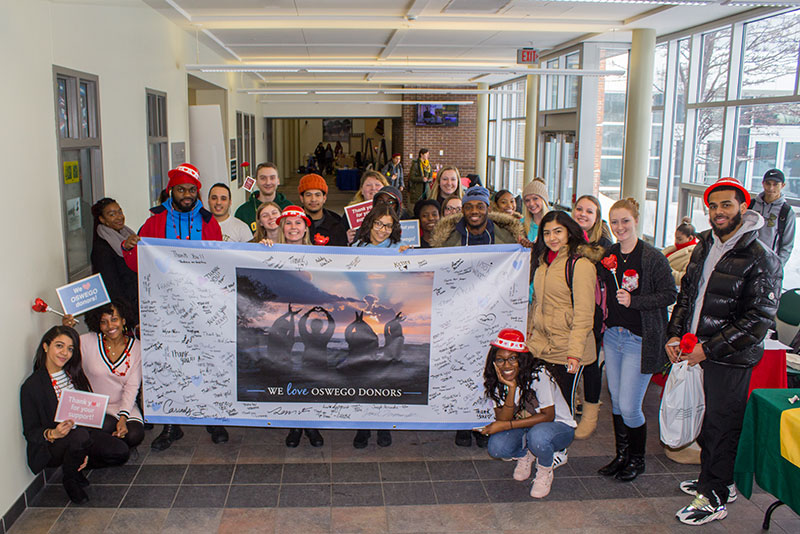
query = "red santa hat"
x=294 y=211
x=510 y=339
x=184 y=173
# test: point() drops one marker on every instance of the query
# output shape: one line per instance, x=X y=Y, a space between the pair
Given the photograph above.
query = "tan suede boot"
x=588 y=420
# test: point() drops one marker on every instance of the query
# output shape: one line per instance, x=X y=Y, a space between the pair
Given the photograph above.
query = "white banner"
x=327 y=337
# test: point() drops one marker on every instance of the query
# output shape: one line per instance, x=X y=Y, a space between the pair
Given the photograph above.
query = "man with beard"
x=475 y=225
x=728 y=300
x=326 y=227
x=219 y=202
x=181 y=216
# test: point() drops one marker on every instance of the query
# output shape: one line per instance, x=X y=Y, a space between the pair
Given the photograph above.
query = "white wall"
x=130 y=47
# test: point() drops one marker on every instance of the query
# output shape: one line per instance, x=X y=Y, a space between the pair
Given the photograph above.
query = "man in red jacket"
x=182 y=216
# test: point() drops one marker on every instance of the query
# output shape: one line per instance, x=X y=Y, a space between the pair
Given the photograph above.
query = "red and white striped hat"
x=184 y=173
x=730 y=182
x=294 y=211
x=510 y=339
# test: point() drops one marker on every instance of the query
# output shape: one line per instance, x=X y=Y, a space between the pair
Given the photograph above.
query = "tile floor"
x=422 y=483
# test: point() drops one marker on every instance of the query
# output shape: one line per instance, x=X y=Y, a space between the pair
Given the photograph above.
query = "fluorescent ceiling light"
x=345 y=92
x=395 y=102
x=384 y=68
x=289 y=92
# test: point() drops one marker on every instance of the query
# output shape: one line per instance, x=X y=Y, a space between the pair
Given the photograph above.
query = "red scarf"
x=693 y=241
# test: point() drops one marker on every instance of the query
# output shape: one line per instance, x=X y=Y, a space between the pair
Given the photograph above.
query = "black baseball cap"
x=776 y=175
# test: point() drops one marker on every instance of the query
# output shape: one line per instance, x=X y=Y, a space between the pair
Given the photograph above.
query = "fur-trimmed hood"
x=446 y=226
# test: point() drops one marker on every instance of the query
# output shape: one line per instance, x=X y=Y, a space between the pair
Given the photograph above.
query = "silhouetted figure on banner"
x=314 y=338
x=393 y=338
x=281 y=335
x=360 y=337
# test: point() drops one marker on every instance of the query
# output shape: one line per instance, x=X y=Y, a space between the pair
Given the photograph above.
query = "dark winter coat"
x=740 y=302
x=448 y=231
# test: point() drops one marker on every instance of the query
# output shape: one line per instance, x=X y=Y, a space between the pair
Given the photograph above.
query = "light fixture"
x=400 y=91
x=394 y=102
x=355 y=92
x=395 y=68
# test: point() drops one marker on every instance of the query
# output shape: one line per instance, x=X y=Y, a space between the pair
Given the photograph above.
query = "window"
x=611 y=131
x=714 y=59
x=573 y=62
x=506 y=162
x=80 y=163
x=157 y=150
x=770 y=56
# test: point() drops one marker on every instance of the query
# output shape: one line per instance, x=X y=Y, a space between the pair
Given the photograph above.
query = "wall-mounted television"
x=437 y=115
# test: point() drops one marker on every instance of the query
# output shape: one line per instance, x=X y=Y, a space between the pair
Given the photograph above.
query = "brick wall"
x=458 y=143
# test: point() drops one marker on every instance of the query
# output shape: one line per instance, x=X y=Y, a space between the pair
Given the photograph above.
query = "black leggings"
x=135 y=430
x=567 y=383
x=593 y=376
x=103 y=450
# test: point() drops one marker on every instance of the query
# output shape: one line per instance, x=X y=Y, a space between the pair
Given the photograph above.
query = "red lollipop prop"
x=41 y=306
x=610 y=263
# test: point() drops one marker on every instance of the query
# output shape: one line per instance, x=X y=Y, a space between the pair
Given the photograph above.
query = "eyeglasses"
x=378 y=225
x=452 y=209
x=383 y=200
x=510 y=359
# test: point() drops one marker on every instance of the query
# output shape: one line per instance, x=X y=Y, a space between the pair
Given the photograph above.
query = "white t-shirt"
x=548 y=394
x=235 y=230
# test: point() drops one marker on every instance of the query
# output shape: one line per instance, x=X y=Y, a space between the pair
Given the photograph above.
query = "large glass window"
x=506 y=162
x=611 y=131
x=770 y=56
x=708 y=144
x=715 y=55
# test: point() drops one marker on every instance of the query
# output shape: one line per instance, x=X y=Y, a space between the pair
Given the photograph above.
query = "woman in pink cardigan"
x=112 y=360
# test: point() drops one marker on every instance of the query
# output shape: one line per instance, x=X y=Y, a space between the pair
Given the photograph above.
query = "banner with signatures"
x=326 y=337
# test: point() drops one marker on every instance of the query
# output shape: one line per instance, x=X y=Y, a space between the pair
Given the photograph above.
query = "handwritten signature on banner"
x=188 y=315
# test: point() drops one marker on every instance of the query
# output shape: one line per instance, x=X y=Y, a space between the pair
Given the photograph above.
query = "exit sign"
x=527 y=56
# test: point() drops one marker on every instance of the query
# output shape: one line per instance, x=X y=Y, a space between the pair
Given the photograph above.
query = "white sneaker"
x=524 y=464
x=559 y=458
x=542 y=482
x=689 y=487
x=700 y=512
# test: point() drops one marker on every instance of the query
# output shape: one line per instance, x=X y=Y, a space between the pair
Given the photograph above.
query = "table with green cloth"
x=769 y=447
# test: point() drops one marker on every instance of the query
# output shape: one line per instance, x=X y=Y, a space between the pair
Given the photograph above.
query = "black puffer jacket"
x=740 y=302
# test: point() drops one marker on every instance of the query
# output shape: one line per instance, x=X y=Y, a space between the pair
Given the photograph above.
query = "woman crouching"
x=533 y=420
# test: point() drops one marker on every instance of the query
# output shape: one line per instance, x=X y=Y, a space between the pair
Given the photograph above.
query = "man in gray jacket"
x=779 y=219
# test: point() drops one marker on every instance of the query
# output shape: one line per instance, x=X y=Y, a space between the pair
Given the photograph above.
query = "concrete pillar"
x=278 y=135
x=531 y=120
x=638 y=116
x=482 y=132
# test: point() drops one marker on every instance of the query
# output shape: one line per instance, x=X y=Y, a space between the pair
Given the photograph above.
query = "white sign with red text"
x=86 y=409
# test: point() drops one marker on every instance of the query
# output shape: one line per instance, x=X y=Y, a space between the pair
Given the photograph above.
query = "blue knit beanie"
x=476 y=192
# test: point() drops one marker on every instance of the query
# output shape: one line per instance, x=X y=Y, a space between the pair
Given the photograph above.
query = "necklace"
x=177 y=227
x=626 y=256
x=126 y=351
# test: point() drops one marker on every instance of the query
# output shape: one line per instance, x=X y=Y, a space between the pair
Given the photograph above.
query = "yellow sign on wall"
x=72 y=172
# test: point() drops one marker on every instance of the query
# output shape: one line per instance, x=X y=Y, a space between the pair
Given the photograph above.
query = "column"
x=482 y=132
x=638 y=116
x=531 y=119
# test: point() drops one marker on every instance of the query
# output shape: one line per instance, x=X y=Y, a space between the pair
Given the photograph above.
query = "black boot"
x=74 y=481
x=293 y=438
x=362 y=439
x=621 y=459
x=464 y=438
x=168 y=435
x=218 y=434
x=481 y=440
x=635 y=466
x=314 y=437
x=384 y=438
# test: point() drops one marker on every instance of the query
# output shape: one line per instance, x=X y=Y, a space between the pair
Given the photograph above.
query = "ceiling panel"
x=352 y=7
x=375 y=37
x=343 y=51
x=239 y=7
x=260 y=36
x=266 y=53
x=444 y=37
x=576 y=10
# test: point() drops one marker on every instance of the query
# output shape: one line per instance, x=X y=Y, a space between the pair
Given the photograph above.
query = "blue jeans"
x=626 y=382
x=542 y=440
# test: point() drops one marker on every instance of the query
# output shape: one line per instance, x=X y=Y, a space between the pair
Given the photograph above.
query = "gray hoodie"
x=768 y=234
x=751 y=220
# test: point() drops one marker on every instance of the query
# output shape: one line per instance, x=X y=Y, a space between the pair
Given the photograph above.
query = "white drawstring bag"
x=682 y=405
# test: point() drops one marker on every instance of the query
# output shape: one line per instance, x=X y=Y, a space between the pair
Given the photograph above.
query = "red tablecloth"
x=770 y=371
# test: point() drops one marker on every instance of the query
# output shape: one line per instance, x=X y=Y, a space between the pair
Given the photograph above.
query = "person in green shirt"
x=267 y=181
x=421 y=176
